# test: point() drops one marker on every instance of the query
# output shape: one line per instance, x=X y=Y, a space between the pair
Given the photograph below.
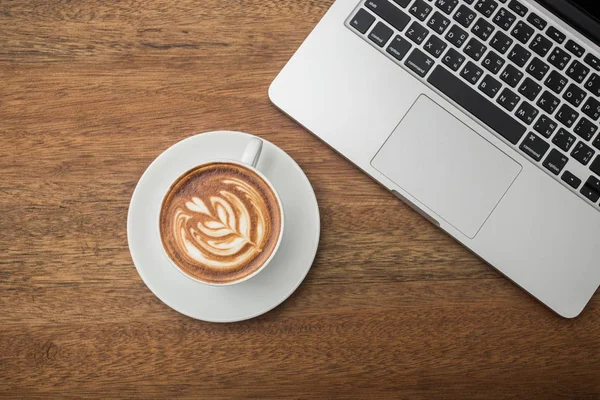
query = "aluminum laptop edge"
x=446 y=164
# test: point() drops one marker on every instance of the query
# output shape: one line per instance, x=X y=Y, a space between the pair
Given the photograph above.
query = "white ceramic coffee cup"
x=249 y=160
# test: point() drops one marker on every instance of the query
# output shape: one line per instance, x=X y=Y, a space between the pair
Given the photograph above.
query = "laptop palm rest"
x=446 y=166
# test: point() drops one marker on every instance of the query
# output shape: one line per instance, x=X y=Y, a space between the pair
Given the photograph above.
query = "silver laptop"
x=482 y=115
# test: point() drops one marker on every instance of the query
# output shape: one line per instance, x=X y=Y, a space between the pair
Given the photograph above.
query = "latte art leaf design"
x=226 y=229
x=225 y=223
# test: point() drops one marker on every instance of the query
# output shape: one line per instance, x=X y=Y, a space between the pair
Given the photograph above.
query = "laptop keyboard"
x=525 y=79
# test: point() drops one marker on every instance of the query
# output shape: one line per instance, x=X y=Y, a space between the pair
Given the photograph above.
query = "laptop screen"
x=583 y=15
x=590 y=7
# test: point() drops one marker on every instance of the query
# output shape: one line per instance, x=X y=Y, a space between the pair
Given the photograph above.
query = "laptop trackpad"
x=447 y=166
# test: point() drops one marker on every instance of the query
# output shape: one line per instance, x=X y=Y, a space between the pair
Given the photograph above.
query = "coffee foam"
x=220 y=222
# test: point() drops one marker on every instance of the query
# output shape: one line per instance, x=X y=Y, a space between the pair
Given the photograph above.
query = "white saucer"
x=248 y=299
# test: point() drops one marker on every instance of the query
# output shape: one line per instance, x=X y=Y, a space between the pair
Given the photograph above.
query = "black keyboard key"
x=464 y=16
x=517 y=7
x=530 y=89
x=591 y=194
x=537 y=68
x=548 y=102
x=486 y=7
x=566 y=115
x=527 y=113
x=593 y=183
x=453 y=59
x=559 y=58
x=493 y=62
x=592 y=61
x=446 y=6
x=534 y=146
x=556 y=82
x=475 y=49
x=519 y=55
x=418 y=62
x=438 y=23
x=545 y=126
x=585 y=129
x=482 y=29
x=574 y=48
x=564 y=140
x=571 y=179
x=504 y=19
x=362 y=21
x=389 y=13
x=537 y=21
x=556 y=35
x=595 y=167
x=456 y=36
x=591 y=108
x=593 y=85
x=416 y=32
x=582 y=153
x=490 y=86
x=508 y=100
x=596 y=142
x=380 y=34
x=555 y=162
x=399 y=47
x=471 y=73
x=577 y=71
x=574 y=95
x=511 y=76
x=541 y=45
x=591 y=189
x=476 y=104
x=402 y=3
x=420 y=9
x=522 y=32
x=500 y=42
x=435 y=46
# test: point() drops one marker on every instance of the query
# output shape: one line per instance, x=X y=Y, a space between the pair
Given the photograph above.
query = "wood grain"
x=91 y=93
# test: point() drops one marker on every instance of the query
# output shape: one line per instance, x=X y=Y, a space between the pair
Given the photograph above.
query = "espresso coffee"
x=220 y=222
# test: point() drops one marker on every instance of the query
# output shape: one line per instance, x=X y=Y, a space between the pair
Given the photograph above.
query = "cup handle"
x=252 y=152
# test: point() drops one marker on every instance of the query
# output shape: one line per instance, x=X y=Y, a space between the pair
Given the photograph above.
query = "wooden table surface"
x=90 y=93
